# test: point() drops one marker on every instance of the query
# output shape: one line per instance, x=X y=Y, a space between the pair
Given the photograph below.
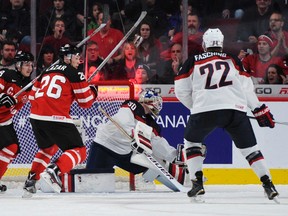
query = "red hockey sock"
x=70 y=158
x=7 y=154
x=42 y=159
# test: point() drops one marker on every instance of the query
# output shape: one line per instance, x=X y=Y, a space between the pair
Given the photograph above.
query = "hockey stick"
x=276 y=122
x=166 y=177
x=143 y=14
x=56 y=62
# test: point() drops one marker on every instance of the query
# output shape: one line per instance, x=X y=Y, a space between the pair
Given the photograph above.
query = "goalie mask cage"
x=111 y=94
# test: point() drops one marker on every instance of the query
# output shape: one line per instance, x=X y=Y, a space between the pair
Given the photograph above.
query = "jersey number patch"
x=224 y=66
x=54 y=90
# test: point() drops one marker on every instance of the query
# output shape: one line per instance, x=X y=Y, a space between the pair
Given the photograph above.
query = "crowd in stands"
x=254 y=30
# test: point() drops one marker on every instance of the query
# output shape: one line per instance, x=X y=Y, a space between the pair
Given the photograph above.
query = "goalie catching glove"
x=7 y=100
x=264 y=116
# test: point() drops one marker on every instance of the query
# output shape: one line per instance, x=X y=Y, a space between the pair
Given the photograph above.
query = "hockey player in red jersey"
x=51 y=98
x=11 y=81
x=218 y=93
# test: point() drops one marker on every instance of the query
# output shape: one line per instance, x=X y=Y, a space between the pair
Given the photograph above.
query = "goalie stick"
x=56 y=62
x=276 y=122
x=159 y=171
x=141 y=17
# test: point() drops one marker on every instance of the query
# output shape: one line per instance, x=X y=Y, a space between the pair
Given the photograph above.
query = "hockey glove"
x=264 y=117
x=7 y=100
x=94 y=90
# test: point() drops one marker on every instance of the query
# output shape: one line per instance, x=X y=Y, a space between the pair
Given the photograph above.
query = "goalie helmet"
x=68 y=50
x=153 y=100
x=212 y=38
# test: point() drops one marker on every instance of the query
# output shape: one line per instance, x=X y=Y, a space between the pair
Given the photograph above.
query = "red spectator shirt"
x=11 y=82
x=108 y=42
x=54 y=92
x=257 y=68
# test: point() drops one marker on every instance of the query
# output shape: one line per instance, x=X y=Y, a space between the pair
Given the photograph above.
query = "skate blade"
x=276 y=200
x=46 y=179
x=26 y=194
x=197 y=199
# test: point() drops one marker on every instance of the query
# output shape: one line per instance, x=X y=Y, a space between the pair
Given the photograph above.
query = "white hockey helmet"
x=212 y=38
x=153 y=100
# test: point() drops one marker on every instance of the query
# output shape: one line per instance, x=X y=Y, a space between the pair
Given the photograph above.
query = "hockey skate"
x=51 y=178
x=3 y=188
x=197 y=188
x=29 y=186
x=269 y=188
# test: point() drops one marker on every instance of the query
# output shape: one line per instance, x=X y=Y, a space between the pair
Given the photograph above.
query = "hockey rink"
x=236 y=200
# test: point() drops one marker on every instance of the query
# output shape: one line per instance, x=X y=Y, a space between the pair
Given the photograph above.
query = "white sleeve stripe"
x=82 y=90
x=85 y=100
x=2 y=86
x=31 y=97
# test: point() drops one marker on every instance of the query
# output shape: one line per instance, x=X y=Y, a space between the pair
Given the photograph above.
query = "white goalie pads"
x=142 y=136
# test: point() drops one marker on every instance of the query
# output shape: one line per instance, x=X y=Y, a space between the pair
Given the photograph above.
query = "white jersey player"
x=111 y=147
x=216 y=90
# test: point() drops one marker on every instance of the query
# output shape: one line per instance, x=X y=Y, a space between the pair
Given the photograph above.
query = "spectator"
x=95 y=10
x=93 y=60
x=57 y=39
x=107 y=38
x=8 y=52
x=46 y=57
x=171 y=66
x=59 y=10
x=127 y=65
x=144 y=75
x=274 y=75
x=194 y=35
x=255 y=21
x=256 y=64
x=278 y=35
x=235 y=9
x=16 y=18
x=150 y=48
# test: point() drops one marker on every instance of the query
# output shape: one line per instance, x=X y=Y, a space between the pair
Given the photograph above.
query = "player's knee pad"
x=50 y=150
x=10 y=151
x=252 y=154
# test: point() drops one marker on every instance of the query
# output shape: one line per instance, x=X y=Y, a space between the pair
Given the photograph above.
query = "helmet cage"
x=152 y=100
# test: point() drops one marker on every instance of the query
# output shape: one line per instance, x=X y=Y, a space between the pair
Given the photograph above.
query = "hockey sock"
x=70 y=158
x=194 y=157
x=42 y=159
x=7 y=154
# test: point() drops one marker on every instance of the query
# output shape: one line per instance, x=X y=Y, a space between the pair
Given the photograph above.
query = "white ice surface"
x=236 y=200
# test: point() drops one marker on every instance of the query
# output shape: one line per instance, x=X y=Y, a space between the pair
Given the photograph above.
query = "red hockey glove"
x=94 y=90
x=264 y=117
x=7 y=100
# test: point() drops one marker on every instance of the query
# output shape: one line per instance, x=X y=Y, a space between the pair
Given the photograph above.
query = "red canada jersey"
x=257 y=68
x=11 y=82
x=54 y=92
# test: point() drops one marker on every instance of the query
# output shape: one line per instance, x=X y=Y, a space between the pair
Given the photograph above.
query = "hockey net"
x=110 y=97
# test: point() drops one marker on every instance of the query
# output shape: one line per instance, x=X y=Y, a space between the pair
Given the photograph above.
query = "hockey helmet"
x=212 y=38
x=68 y=50
x=153 y=100
x=21 y=57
